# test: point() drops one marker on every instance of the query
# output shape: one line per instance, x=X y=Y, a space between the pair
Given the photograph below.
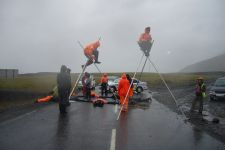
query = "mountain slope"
x=209 y=65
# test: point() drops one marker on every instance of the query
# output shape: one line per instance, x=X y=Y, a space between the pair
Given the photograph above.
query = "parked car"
x=139 y=86
x=217 y=90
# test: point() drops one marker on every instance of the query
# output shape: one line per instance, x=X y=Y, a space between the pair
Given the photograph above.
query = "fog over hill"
x=209 y=65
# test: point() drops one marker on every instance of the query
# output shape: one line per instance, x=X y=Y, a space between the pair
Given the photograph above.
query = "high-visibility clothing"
x=124 y=85
x=145 y=37
x=123 y=88
x=200 y=90
x=88 y=50
x=94 y=94
x=45 y=99
x=104 y=79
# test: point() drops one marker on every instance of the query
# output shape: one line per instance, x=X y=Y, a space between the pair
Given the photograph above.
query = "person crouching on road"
x=53 y=96
x=200 y=90
x=91 y=52
x=123 y=88
x=63 y=83
x=104 y=85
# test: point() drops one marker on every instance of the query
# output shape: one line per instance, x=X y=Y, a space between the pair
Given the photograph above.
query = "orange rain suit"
x=145 y=37
x=123 y=88
x=104 y=79
x=45 y=99
x=89 y=49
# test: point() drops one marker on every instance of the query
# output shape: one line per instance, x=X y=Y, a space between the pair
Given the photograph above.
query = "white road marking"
x=17 y=118
x=113 y=140
x=116 y=108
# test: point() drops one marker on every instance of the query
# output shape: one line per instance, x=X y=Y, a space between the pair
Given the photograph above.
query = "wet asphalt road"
x=89 y=128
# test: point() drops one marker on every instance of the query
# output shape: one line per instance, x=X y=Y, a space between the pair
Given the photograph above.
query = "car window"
x=135 y=81
x=220 y=82
x=117 y=81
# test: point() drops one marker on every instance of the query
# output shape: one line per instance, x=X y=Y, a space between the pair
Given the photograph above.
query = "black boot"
x=97 y=62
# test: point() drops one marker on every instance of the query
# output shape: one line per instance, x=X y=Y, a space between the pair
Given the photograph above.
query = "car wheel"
x=212 y=98
x=139 y=89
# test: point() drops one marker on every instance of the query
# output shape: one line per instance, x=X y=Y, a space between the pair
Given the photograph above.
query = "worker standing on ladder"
x=91 y=52
x=145 y=41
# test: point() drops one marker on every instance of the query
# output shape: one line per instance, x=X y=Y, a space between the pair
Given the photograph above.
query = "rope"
x=161 y=77
x=143 y=68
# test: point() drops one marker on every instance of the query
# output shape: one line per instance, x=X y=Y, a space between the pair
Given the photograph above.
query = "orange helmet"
x=124 y=76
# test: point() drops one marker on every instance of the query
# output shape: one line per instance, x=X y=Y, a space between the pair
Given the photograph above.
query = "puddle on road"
x=141 y=101
x=161 y=128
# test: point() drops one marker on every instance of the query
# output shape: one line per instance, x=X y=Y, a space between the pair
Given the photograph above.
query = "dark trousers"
x=198 y=99
x=104 y=89
x=63 y=100
x=145 y=47
x=95 y=53
x=88 y=94
x=90 y=61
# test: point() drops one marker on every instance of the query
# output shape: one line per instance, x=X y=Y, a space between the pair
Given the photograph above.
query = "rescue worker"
x=104 y=85
x=88 y=87
x=200 y=90
x=91 y=52
x=122 y=91
x=63 y=83
x=145 y=41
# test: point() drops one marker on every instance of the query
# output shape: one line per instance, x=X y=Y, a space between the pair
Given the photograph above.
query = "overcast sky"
x=41 y=35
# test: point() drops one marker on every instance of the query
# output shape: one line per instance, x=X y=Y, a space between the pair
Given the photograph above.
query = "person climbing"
x=104 y=85
x=145 y=41
x=122 y=91
x=88 y=86
x=91 y=52
x=63 y=84
x=200 y=90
